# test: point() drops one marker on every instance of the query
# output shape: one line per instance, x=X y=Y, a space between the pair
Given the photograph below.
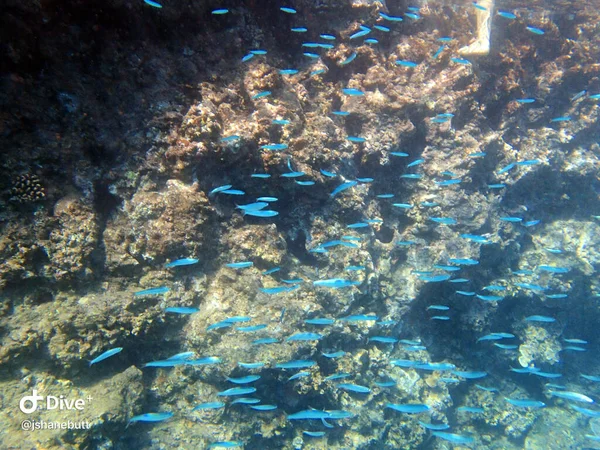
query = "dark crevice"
x=297 y=247
x=385 y=235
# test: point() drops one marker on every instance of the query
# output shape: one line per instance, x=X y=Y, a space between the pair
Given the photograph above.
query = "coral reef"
x=123 y=118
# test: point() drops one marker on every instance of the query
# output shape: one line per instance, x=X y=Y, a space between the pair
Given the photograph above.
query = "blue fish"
x=353 y=92
x=265 y=341
x=181 y=262
x=296 y=364
x=278 y=289
x=236 y=391
x=434 y=278
x=299 y=375
x=416 y=162
x=506 y=346
x=506 y=168
x=343 y=187
x=293 y=174
x=433 y=426
x=404 y=63
x=152 y=291
x=349 y=59
x=470 y=375
x=152 y=3
x=433 y=366
x=359 y=318
x=363 y=32
x=309 y=414
x=218 y=325
x=261 y=95
x=248 y=57
x=181 y=310
x=333 y=355
x=246 y=401
x=225 y=444
x=448 y=182
x=463 y=261
x=381 y=28
x=552 y=269
x=486 y=389
x=314 y=433
x=260 y=175
x=229 y=139
x=274 y=147
x=305 y=337
x=507 y=15
x=256 y=365
x=262 y=213
x=438 y=307
x=383 y=339
x=354 y=388
x=244 y=380
x=409 y=408
x=537 y=318
x=253 y=206
x=251 y=328
x=390 y=18
x=150 y=417
x=209 y=405
x=209 y=360
x=454 y=438
x=220 y=188
x=464 y=62
x=183 y=356
x=335 y=283
x=106 y=354
x=535 y=30
x=572 y=396
x=490 y=298
x=385 y=384
x=264 y=407
x=233 y=192
x=299 y=29
x=319 y=321
x=356 y=139
x=240 y=265
x=357 y=225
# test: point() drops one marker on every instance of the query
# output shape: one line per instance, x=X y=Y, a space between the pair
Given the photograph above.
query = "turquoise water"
x=313 y=225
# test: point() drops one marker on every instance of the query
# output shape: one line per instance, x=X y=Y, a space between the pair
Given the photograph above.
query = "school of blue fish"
x=548 y=280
